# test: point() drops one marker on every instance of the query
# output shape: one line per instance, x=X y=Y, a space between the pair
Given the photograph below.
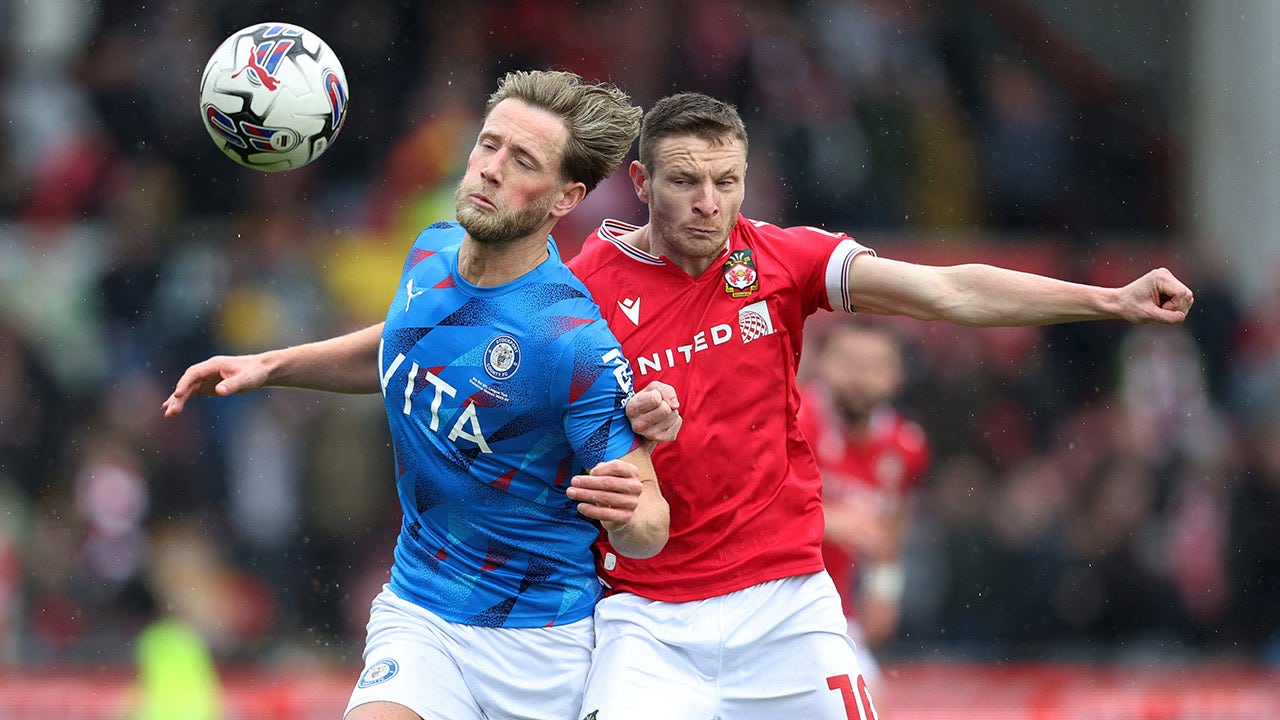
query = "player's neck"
x=491 y=265
x=651 y=242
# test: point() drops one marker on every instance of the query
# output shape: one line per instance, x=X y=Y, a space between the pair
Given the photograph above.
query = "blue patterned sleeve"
x=599 y=382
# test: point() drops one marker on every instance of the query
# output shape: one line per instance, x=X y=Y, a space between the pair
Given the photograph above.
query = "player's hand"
x=221 y=375
x=654 y=413
x=1157 y=297
x=610 y=493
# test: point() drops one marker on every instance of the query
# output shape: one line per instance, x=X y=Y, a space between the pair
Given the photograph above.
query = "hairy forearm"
x=344 y=364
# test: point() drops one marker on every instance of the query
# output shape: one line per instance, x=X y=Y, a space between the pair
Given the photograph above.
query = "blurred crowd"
x=1097 y=490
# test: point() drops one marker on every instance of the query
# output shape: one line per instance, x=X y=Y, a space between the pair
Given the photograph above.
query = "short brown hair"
x=601 y=119
x=689 y=113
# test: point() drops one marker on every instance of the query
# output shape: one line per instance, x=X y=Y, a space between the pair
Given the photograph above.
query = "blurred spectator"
x=871 y=458
x=1025 y=148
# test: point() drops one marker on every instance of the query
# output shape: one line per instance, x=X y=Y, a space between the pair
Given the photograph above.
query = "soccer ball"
x=273 y=96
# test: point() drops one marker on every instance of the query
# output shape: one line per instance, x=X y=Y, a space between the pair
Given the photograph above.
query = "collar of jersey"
x=613 y=230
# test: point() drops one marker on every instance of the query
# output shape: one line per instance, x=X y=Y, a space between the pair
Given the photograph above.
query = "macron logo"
x=631 y=308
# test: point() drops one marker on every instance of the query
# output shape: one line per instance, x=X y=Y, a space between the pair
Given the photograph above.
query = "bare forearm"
x=645 y=534
x=344 y=364
x=988 y=296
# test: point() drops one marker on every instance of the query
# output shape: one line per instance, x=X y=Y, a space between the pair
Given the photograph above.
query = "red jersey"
x=876 y=469
x=744 y=491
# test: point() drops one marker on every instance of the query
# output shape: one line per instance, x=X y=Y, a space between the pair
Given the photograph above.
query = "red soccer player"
x=736 y=617
x=871 y=457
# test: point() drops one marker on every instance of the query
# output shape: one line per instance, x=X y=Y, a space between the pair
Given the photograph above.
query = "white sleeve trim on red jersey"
x=837 y=275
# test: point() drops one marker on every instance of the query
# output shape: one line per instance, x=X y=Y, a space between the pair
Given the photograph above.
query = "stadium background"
x=1097 y=536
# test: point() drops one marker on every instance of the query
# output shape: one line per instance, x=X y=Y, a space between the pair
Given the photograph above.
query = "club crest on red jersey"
x=740 y=275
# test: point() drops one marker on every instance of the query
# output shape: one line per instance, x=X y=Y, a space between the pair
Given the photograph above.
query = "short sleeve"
x=836 y=277
x=599 y=382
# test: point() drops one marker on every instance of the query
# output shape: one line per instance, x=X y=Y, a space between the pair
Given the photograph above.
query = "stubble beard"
x=702 y=250
x=501 y=226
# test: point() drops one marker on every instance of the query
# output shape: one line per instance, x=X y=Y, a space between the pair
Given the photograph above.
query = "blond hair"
x=601 y=120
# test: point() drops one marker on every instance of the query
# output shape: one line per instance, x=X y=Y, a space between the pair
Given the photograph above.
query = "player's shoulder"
x=763 y=231
x=794 y=246
x=603 y=247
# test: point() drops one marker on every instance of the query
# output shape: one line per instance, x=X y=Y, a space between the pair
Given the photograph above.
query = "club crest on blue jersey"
x=379 y=672
x=502 y=357
x=740 y=276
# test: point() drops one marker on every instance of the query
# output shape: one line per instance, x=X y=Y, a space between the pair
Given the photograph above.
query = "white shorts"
x=448 y=671
x=779 y=649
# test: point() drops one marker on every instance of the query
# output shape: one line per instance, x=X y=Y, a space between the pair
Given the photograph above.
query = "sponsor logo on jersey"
x=502 y=357
x=740 y=276
x=754 y=321
x=466 y=422
x=379 y=672
x=631 y=308
x=591 y=715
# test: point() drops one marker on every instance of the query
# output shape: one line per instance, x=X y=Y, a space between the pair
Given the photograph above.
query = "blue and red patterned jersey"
x=496 y=396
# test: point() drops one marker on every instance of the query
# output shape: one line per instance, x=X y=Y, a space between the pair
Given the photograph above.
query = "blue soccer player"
x=505 y=392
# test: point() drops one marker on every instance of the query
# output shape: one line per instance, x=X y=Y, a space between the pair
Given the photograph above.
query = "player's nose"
x=704 y=201
x=491 y=168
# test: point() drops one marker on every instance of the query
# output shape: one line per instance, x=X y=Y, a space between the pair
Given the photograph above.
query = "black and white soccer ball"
x=273 y=96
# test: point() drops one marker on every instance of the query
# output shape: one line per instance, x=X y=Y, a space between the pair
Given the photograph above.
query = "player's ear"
x=640 y=179
x=570 y=196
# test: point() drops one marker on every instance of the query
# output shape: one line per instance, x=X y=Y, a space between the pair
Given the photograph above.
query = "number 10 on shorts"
x=859 y=706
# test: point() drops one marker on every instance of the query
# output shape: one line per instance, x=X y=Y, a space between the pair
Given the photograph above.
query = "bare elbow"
x=645 y=539
x=646 y=550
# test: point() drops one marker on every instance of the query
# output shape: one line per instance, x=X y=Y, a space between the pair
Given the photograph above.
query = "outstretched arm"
x=989 y=296
x=624 y=496
x=345 y=364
